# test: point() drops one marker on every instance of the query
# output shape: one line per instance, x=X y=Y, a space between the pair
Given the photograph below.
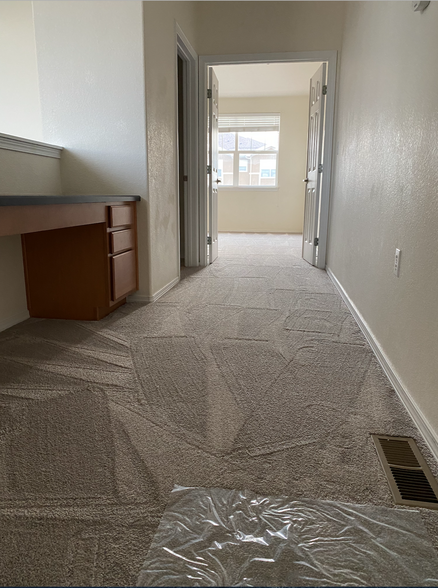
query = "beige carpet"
x=249 y=374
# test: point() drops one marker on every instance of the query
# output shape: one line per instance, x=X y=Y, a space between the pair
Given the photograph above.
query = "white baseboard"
x=417 y=416
x=156 y=296
x=14 y=319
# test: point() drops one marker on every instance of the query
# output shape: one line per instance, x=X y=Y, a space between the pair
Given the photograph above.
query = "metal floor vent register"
x=409 y=476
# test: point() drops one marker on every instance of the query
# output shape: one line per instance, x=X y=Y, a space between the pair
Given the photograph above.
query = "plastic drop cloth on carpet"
x=218 y=537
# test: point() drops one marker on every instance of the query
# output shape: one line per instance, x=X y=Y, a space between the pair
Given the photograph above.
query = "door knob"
x=218 y=181
x=306 y=180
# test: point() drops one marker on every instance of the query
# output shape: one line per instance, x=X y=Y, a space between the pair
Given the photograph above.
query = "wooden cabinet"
x=82 y=272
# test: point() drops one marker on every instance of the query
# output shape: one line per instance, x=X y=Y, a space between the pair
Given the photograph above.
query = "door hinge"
x=209 y=169
x=316 y=241
x=209 y=93
x=324 y=90
x=320 y=168
x=208 y=240
x=185 y=178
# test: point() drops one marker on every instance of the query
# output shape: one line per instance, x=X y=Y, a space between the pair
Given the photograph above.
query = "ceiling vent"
x=409 y=476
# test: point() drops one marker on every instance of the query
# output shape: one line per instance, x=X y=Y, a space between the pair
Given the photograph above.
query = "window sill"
x=11 y=143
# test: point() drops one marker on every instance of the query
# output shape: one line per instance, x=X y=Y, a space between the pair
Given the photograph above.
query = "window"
x=248 y=150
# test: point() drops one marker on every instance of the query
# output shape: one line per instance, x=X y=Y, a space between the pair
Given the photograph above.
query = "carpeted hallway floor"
x=249 y=374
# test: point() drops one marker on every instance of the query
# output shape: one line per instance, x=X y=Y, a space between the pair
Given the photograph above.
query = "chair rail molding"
x=12 y=143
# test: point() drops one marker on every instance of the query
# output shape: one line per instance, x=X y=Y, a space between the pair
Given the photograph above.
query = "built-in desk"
x=79 y=252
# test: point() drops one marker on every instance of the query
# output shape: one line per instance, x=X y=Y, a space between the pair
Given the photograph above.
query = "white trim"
x=411 y=406
x=139 y=298
x=210 y=60
x=14 y=319
x=156 y=296
x=12 y=143
x=191 y=220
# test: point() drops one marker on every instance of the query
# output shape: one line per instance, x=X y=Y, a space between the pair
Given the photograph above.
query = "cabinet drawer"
x=123 y=274
x=121 y=240
x=120 y=216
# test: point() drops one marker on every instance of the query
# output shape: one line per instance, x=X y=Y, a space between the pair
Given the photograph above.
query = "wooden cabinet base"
x=72 y=274
x=65 y=276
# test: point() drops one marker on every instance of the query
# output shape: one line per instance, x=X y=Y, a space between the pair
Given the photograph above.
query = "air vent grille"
x=399 y=453
x=409 y=477
x=413 y=485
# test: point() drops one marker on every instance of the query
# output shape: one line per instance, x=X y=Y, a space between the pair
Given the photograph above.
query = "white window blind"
x=229 y=123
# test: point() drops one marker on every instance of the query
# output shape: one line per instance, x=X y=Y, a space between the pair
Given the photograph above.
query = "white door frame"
x=206 y=61
x=191 y=208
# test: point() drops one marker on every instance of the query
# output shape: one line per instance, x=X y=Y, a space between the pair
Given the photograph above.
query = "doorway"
x=182 y=156
x=321 y=214
x=263 y=130
x=187 y=151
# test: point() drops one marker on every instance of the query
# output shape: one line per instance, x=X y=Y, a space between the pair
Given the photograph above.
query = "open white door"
x=212 y=179
x=313 y=178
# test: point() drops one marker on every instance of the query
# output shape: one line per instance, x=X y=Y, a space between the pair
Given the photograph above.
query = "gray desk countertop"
x=41 y=200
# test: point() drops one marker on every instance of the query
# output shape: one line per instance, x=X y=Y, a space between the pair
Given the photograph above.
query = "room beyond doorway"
x=261 y=248
x=263 y=127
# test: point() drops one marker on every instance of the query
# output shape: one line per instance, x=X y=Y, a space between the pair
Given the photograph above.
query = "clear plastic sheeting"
x=217 y=537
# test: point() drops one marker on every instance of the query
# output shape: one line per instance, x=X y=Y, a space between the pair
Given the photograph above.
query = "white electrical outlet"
x=397 y=262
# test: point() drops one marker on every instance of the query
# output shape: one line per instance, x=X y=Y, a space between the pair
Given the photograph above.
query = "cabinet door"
x=66 y=272
x=123 y=274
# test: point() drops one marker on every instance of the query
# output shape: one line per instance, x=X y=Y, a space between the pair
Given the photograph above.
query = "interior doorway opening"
x=263 y=145
x=187 y=152
x=320 y=210
x=182 y=156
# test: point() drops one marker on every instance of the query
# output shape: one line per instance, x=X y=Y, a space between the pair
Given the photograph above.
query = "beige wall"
x=20 y=173
x=91 y=77
x=160 y=66
x=27 y=174
x=19 y=98
x=386 y=186
x=268 y=27
x=271 y=211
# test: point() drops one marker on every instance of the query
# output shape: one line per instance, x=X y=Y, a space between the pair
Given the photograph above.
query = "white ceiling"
x=265 y=79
